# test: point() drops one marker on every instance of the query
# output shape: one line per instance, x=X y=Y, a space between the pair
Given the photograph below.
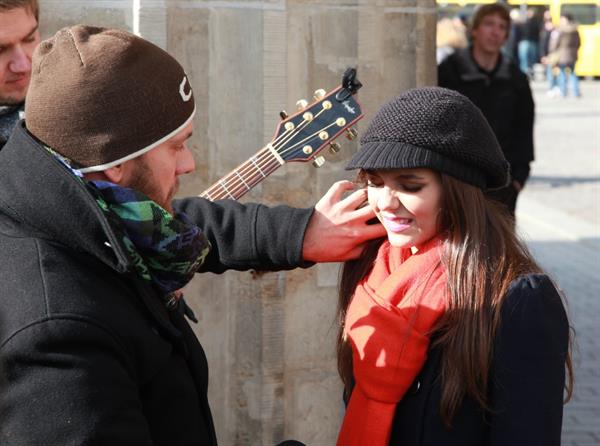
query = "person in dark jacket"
x=450 y=333
x=19 y=36
x=94 y=340
x=496 y=85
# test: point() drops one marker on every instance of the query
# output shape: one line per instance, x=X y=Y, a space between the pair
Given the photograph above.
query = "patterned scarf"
x=388 y=322
x=166 y=250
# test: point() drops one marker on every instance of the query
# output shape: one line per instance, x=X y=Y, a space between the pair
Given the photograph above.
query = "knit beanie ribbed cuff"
x=382 y=155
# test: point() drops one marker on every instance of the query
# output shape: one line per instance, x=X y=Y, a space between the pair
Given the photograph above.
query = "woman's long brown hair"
x=483 y=257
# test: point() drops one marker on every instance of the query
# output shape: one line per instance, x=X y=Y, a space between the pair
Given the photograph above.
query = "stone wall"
x=270 y=338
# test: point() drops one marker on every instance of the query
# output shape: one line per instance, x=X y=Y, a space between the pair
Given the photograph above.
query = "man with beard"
x=94 y=252
x=19 y=36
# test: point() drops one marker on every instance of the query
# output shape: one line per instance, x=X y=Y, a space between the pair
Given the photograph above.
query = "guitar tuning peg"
x=319 y=94
x=334 y=147
x=318 y=161
x=301 y=104
x=283 y=114
x=351 y=134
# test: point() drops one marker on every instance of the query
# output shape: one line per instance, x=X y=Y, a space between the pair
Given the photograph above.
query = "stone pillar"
x=149 y=19
x=270 y=338
x=56 y=14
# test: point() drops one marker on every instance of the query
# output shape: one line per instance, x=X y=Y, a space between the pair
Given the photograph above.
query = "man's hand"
x=338 y=228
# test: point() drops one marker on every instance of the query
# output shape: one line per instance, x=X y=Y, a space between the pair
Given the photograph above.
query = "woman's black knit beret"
x=436 y=128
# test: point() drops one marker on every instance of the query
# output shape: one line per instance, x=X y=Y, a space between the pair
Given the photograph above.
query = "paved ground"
x=559 y=216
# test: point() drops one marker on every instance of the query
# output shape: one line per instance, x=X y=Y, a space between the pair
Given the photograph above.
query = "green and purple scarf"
x=165 y=250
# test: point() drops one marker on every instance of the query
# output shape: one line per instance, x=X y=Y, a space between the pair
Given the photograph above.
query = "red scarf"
x=388 y=322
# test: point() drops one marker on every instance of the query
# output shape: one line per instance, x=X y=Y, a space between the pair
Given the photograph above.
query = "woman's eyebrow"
x=410 y=176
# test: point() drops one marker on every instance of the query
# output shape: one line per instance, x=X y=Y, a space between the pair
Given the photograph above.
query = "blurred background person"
x=548 y=40
x=529 y=43
x=567 y=46
x=511 y=47
x=451 y=35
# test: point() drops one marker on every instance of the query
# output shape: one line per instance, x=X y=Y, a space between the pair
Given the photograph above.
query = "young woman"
x=450 y=333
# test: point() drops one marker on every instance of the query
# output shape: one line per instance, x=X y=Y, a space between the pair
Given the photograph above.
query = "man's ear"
x=115 y=174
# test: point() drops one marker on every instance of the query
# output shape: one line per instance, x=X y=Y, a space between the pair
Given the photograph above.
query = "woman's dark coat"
x=527 y=379
x=91 y=355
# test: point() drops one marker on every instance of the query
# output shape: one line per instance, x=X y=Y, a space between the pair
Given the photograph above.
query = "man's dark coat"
x=90 y=353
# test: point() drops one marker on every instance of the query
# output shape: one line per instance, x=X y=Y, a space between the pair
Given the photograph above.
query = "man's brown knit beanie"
x=436 y=128
x=100 y=97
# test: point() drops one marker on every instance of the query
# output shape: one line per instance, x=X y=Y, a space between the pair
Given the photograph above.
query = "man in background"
x=19 y=35
x=496 y=85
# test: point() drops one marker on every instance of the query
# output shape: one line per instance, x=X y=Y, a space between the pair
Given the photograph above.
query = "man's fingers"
x=364 y=213
x=355 y=199
x=335 y=192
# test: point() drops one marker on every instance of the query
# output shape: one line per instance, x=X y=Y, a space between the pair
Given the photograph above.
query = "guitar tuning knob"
x=318 y=161
x=351 y=134
x=319 y=94
x=334 y=147
x=283 y=114
x=301 y=104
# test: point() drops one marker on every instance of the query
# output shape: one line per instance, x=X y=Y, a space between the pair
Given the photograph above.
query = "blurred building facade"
x=270 y=338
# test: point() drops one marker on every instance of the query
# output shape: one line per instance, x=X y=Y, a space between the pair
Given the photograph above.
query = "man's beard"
x=10 y=100
x=15 y=98
x=143 y=180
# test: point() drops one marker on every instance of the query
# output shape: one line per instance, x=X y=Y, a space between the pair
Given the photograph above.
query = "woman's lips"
x=396 y=224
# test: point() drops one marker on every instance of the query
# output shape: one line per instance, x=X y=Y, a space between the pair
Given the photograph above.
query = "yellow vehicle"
x=586 y=13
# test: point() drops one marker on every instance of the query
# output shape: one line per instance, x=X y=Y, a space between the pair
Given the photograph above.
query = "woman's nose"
x=387 y=199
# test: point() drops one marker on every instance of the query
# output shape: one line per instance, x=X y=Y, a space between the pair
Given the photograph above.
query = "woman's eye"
x=412 y=188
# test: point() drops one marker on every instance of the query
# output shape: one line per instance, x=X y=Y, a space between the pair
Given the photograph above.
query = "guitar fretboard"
x=244 y=177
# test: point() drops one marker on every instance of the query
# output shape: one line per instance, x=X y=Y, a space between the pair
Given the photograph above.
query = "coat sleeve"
x=523 y=151
x=70 y=383
x=528 y=375
x=249 y=236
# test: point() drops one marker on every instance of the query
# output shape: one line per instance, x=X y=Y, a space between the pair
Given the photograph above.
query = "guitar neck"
x=299 y=137
x=244 y=177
